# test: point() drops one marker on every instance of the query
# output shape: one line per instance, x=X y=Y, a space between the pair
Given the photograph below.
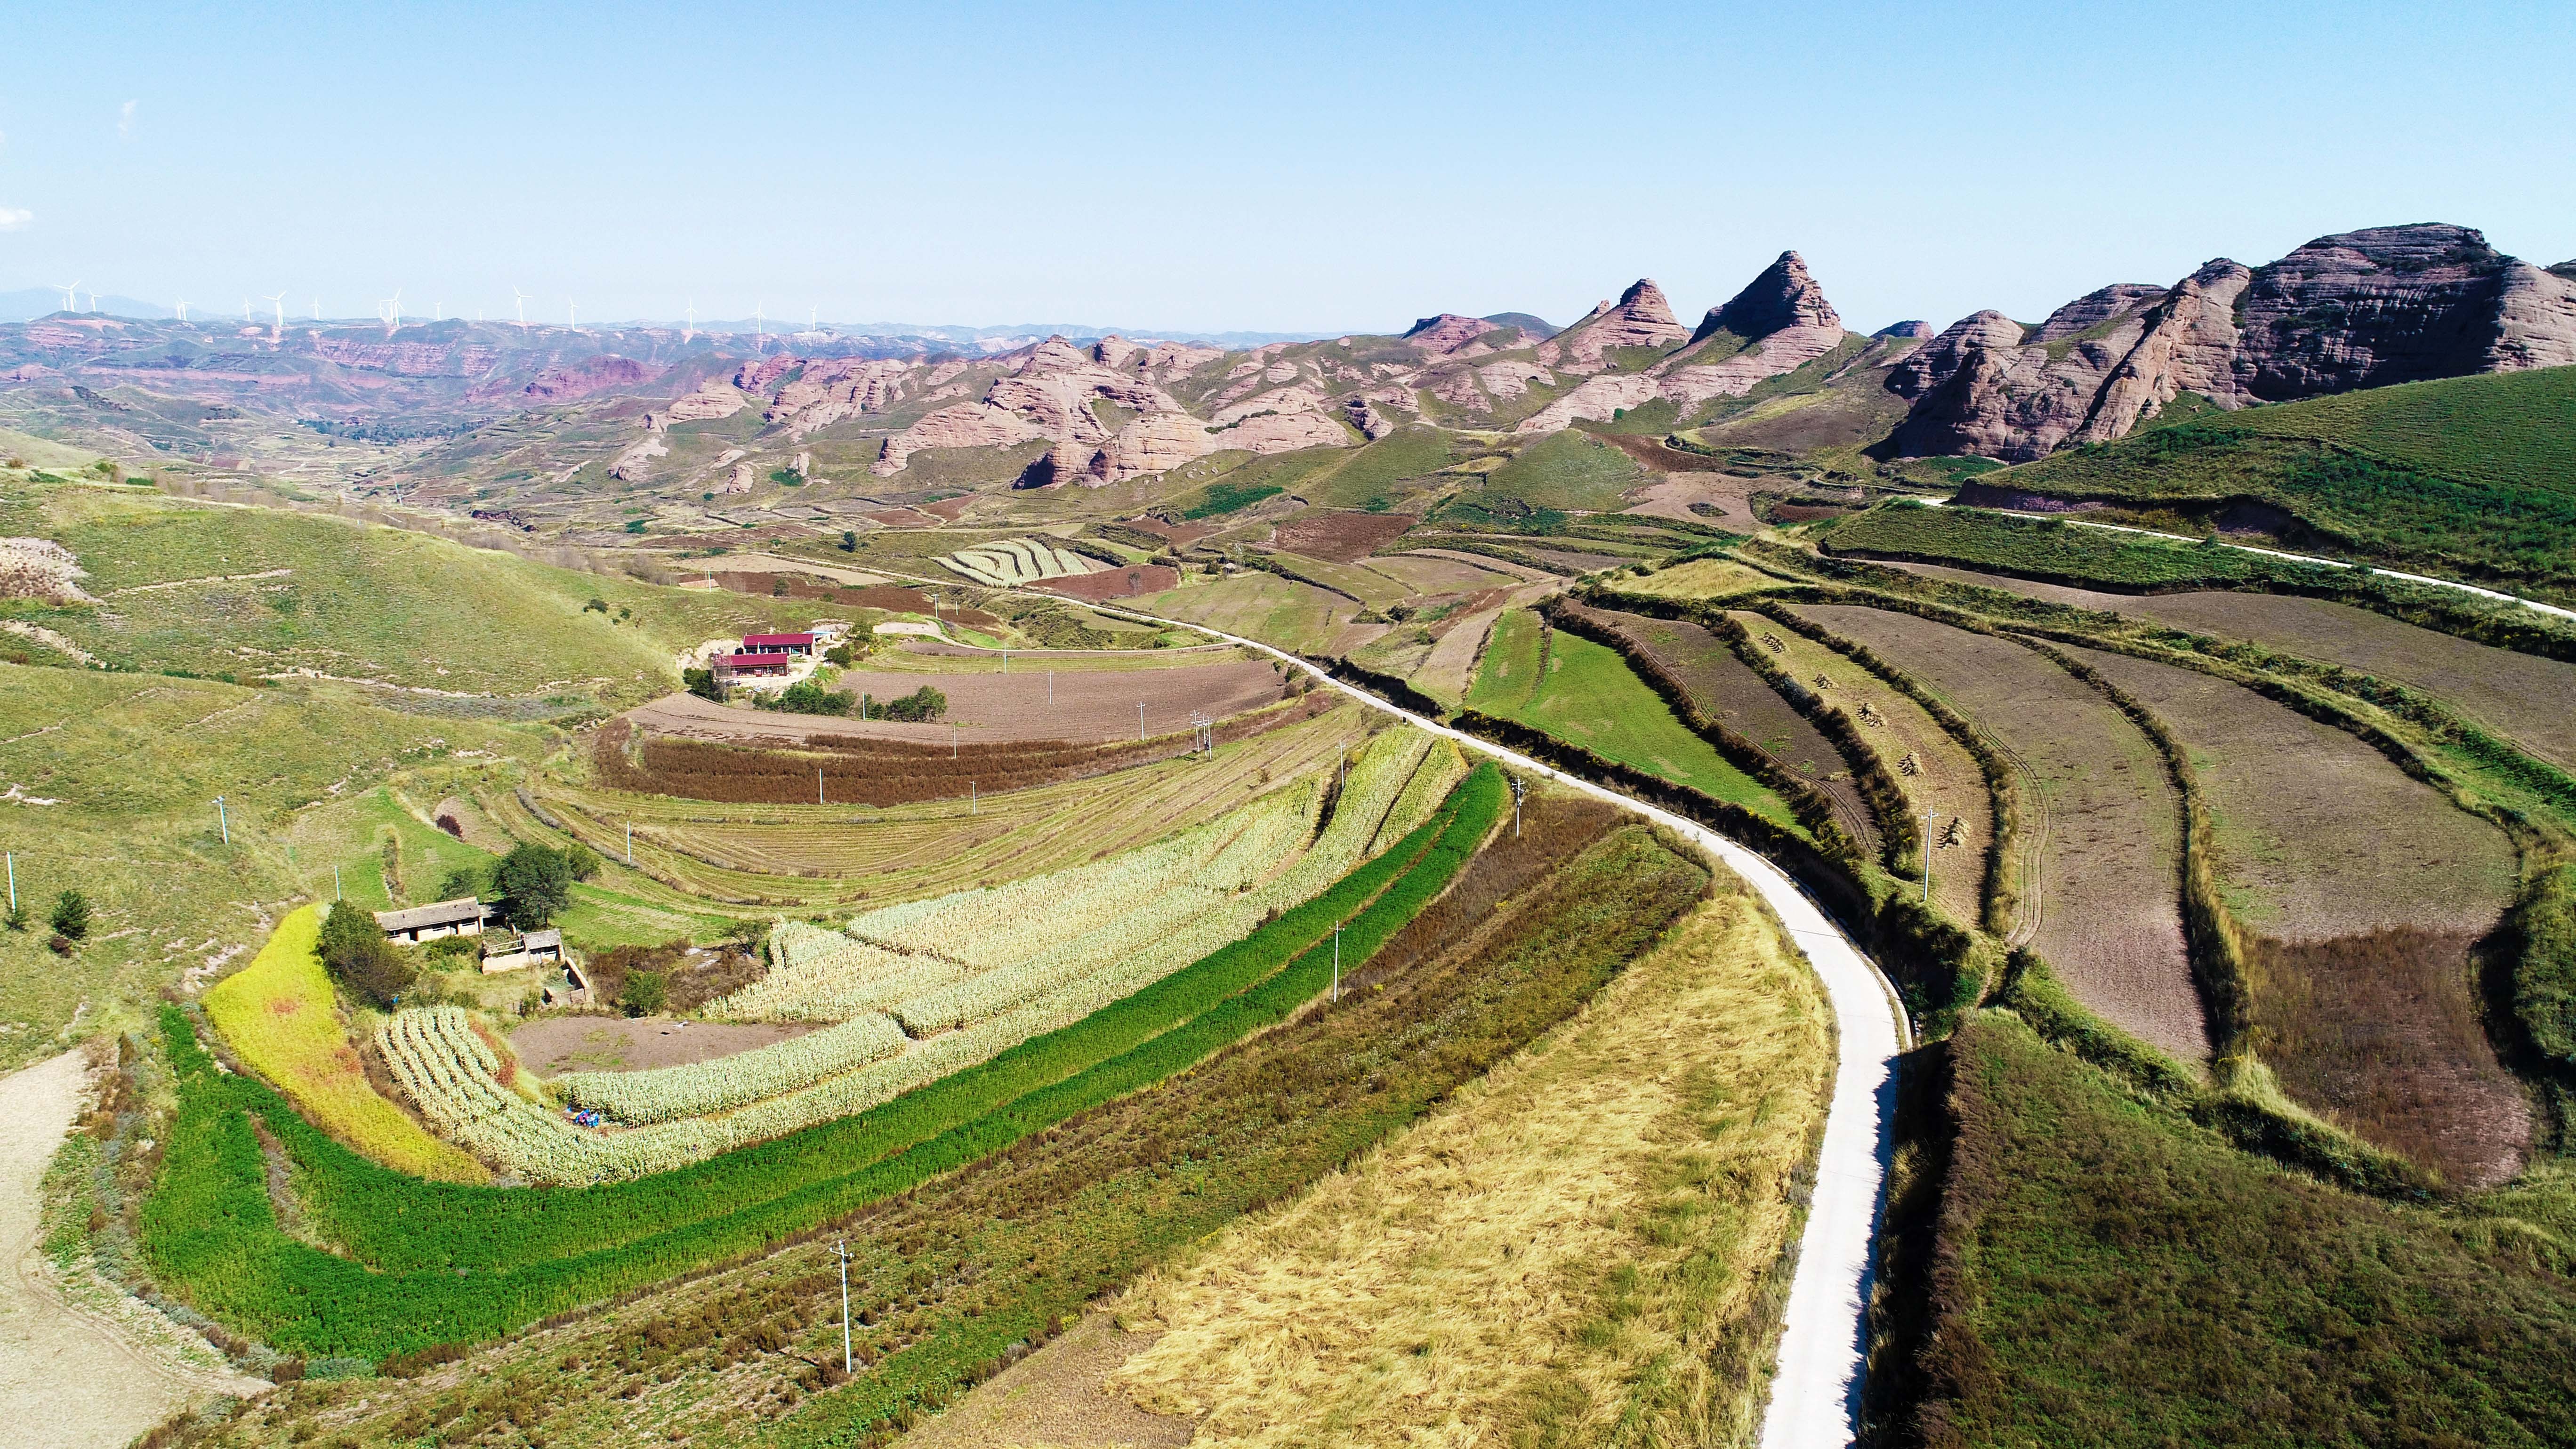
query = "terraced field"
x=1942 y=777
x=2370 y=888
x=1585 y=694
x=2096 y=873
x=2526 y=698
x=1726 y=689
x=1266 y=607
x=809 y=856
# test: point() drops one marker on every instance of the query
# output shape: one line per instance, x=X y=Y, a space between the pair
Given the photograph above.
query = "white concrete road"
x=1815 y=1397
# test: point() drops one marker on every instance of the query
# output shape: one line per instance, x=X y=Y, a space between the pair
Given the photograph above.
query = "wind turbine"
x=690 y=330
x=572 y=310
x=521 y=299
x=390 y=310
x=279 y=299
x=183 y=309
x=317 y=309
x=759 y=326
x=71 y=296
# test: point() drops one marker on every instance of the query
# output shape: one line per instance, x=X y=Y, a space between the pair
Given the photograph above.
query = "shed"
x=777 y=643
x=463 y=916
x=737 y=665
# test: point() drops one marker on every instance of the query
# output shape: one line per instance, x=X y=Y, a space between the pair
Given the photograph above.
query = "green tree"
x=645 y=993
x=702 y=683
x=582 y=861
x=919 y=707
x=465 y=880
x=849 y=541
x=535 y=885
x=71 y=916
x=841 y=655
x=354 y=950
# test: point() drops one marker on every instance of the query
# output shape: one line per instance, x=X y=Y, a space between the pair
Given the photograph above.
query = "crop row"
x=698 y=1088
x=431 y=1263
x=1008 y=561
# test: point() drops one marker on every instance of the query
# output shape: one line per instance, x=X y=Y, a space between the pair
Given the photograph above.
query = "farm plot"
x=863 y=771
x=1076 y=705
x=1011 y=562
x=1447 y=670
x=1283 y=612
x=1725 y=688
x=2098 y=875
x=431 y=1263
x=2370 y=889
x=2524 y=697
x=1936 y=772
x=810 y=855
x=1340 y=537
x=1425 y=574
x=1585 y=694
x=278 y=1014
x=1040 y=979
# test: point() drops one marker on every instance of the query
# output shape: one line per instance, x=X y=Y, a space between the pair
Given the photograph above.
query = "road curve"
x=1815 y=1396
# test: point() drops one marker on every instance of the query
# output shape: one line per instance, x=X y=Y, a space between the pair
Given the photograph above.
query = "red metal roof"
x=776 y=641
x=758 y=661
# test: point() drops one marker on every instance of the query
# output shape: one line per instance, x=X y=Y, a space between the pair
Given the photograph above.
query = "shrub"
x=807 y=696
x=17 y=917
x=71 y=916
x=702 y=683
x=447 y=946
x=919 y=707
x=354 y=950
x=465 y=880
x=645 y=992
x=582 y=861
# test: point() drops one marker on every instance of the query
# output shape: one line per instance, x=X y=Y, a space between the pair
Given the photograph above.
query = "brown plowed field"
x=860 y=770
x=1426 y=575
x=1113 y=583
x=2373 y=888
x=1727 y=690
x=2099 y=854
x=1341 y=537
x=1946 y=780
x=2529 y=699
x=1087 y=707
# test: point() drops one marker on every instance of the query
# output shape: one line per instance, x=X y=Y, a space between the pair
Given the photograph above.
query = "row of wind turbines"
x=389 y=311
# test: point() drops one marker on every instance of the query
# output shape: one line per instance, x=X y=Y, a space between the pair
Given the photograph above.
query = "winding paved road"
x=1815 y=1396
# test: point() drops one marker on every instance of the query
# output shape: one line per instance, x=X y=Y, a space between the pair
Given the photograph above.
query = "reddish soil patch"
x=890 y=597
x=617 y=1044
x=948 y=508
x=1115 y=583
x=883 y=772
x=1178 y=534
x=2098 y=859
x=1804 y=512
x=1341 y=537
x=1581 y=563
x=901 y=518
x=1653 y=453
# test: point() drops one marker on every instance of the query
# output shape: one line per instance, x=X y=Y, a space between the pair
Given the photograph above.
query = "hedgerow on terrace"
x=436 y=1264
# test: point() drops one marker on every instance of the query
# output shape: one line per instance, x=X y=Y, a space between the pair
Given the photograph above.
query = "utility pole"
x=13 y=883
x=1337 y=960
x=1518 y=789
x=970 y=797
x=952 y=739
x=1050 y=689
x=222 y=822
x=630 y=842
x=1928 y=818
x=1140 y=720
x=844 y=1247
x=818 y=785
x=336 y=893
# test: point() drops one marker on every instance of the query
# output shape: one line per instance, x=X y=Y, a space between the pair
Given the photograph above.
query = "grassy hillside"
x=2108 y=1274
x=1567 y=471
x=2045 y=548
x=224 y=591
x=2473 y=477
x=132 y=764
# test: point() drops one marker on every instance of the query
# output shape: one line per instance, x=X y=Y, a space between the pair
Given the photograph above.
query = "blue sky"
x=1287 y=167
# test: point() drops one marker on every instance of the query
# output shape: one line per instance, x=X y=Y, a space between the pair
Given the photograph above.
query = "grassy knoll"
x=1379 y=474
x=1586 y=694
x=224 y=591
x=1638 y=1161
x=2469 y=476
x=280 y=1017
x=470 y=1264
x=944 y=1279
x=2107 y=1274
x=1567 y=471
x=134 y=762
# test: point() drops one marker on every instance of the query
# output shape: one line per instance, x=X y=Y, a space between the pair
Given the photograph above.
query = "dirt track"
x=1087 y=706
x=68 y=1380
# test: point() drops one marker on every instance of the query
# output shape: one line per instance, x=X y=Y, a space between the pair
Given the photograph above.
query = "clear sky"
x=1279 y=167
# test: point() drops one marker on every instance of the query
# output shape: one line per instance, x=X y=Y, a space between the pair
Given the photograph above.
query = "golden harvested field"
x=279 y=1015
x=2097 y=873
x=2524 y=697
x=1945 y=781
x=1701 y=578
x=1575 y=1246
x=2375 y=888
x=1032 y=704
x=1266 y=607
x=807 y=856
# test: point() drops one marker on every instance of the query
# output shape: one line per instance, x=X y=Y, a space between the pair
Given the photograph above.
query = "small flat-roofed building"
x=536 y=948
x=797 y=644
x=463 y=916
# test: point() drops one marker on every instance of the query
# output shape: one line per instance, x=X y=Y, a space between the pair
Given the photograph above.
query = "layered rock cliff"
x=2360 y=309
